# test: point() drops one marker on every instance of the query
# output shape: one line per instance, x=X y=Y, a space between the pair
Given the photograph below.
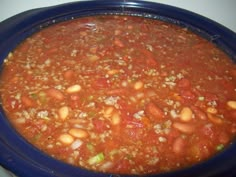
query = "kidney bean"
x=212 y=110
x=224 y=137
x=69 y=75
x=113 y=71
x=154 y=111
x=55 y=93
x=183 y=83
x=178 y=145
x=27 y=101
x=188 y=94
x=118 y=42
x=208 y=131
x=214 y=119
x=232 y=115
x=107 y=111
x=199 y=113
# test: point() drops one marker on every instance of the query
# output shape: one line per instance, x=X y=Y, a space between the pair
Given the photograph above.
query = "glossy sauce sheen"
x=121 y=94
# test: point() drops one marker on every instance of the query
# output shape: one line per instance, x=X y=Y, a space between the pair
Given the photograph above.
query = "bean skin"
x=154 y=111
x=63 y=112
x=107 y=112
x=118 y=42
x=214 y=119
x=69 y=75
x=231 y=104
x=73 y=89
x=199 y=113
x=184 y=127
x=186 y=114
x=184 y=83
x=115 y=119
x=66 y=138
x=27 y=101
x=54 y=93
x=78 y=133
x=138 y=85
x=212 y=110
x=178 y=145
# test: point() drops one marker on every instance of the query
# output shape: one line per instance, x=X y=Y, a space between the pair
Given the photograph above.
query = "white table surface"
x=221 y=11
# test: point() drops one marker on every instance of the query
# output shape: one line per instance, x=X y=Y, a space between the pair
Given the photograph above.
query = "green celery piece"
x=96 y=159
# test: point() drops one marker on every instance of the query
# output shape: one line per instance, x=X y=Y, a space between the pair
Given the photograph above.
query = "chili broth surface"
x=121 y=94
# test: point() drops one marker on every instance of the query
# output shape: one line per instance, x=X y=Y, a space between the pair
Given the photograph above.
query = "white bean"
x=138 y=85
x=232 y=104
x=66 y=138
x=115 y=119
x=78 y=133
x=63 y=112
x=186 y=114
x=73 y=89
x=184 y=127
x=107 y=112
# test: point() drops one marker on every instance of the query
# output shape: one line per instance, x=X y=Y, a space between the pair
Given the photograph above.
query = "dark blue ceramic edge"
x=21 y=158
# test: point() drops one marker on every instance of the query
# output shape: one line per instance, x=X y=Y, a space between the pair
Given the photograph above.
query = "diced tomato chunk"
x=184 y=83
x=101 y=83
x=154 y=111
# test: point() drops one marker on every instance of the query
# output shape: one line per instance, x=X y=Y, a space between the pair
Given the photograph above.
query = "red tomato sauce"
x=121 y=94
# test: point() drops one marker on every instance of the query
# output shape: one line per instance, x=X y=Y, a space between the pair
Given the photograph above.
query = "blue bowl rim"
x=23 y=159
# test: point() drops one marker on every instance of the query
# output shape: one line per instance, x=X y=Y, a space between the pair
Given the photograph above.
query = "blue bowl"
x=23 y=159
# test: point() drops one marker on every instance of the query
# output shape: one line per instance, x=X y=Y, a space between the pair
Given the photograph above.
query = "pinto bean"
x=184 y=127
x=186 y=114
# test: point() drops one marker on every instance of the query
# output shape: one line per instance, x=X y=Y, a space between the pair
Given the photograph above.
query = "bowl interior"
x=18 y=155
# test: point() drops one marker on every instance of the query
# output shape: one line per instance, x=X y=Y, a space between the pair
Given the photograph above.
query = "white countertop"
x=221 y=11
